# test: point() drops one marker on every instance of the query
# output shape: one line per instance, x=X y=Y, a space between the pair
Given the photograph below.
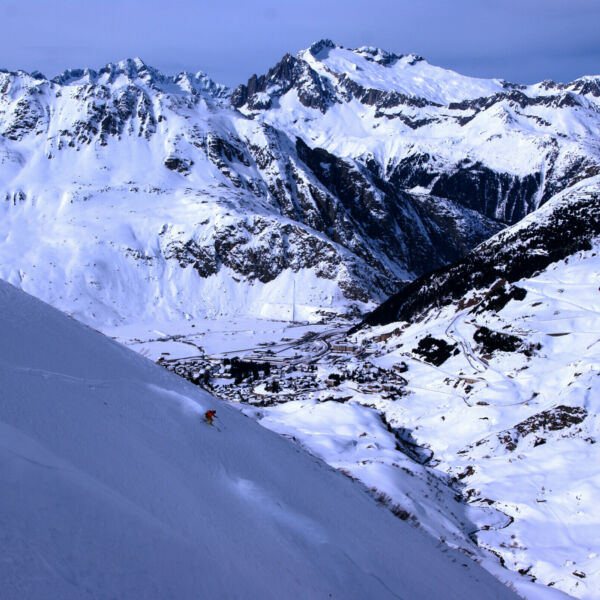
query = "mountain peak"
x=321 y=47
x=136 y=71
x=132 y=68
x=383 y=57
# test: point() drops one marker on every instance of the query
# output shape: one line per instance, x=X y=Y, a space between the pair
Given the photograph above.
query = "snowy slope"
x=114 y=487
x=519 y=432
x=503 y=385
x=406 y=74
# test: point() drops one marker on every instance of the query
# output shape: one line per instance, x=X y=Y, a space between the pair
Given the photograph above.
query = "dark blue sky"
x=519 y=40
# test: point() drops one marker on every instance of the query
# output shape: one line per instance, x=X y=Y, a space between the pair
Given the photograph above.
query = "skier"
x=209 y=415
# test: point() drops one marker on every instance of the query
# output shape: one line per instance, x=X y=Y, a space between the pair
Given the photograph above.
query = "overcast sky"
x=519 y=40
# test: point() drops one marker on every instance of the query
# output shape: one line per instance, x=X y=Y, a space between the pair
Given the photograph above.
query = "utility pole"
x=294 y=301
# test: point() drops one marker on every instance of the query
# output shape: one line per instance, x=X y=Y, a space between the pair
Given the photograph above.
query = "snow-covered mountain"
x=499 y=148
x=114 y=486
x=328 y=183
x=130 y=194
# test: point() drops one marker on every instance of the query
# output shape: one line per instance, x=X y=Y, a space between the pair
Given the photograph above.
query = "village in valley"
x=320 y=365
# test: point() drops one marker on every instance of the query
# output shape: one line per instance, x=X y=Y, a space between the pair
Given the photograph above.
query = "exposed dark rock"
x=320 y=49
x=491 y=341
x=496 y=195
x=202 y=258
x=313 y=90
x=511 y=256
x=381 y=99
x=28 y=118
x=470 y=470
x=260 y=249
x=501 y=196
x=181 y=165
x=414 y=170
x=499 y=295
x=517 y=98
x=556 y=419
x=360 y=201
x=384 y=58
x=578 y=169
x=587 y=86
x=434 y=350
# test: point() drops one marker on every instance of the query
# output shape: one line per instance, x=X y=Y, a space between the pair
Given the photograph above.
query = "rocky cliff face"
x=566 y=225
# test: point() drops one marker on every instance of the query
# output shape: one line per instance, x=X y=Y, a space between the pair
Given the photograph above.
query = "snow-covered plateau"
x=235 y=236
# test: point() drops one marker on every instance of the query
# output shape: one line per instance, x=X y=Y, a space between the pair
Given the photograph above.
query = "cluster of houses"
x=264 y=382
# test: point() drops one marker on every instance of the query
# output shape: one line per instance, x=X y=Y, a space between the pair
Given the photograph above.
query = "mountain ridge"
x=133 y=199
x=338 y=151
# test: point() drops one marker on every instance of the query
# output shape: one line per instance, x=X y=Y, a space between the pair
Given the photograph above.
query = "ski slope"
x=114 y=487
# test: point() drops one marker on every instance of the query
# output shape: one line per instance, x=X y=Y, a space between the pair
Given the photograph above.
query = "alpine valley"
x=394 y=265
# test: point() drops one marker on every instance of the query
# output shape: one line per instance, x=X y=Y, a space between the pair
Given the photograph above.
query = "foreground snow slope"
x=113 y=487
